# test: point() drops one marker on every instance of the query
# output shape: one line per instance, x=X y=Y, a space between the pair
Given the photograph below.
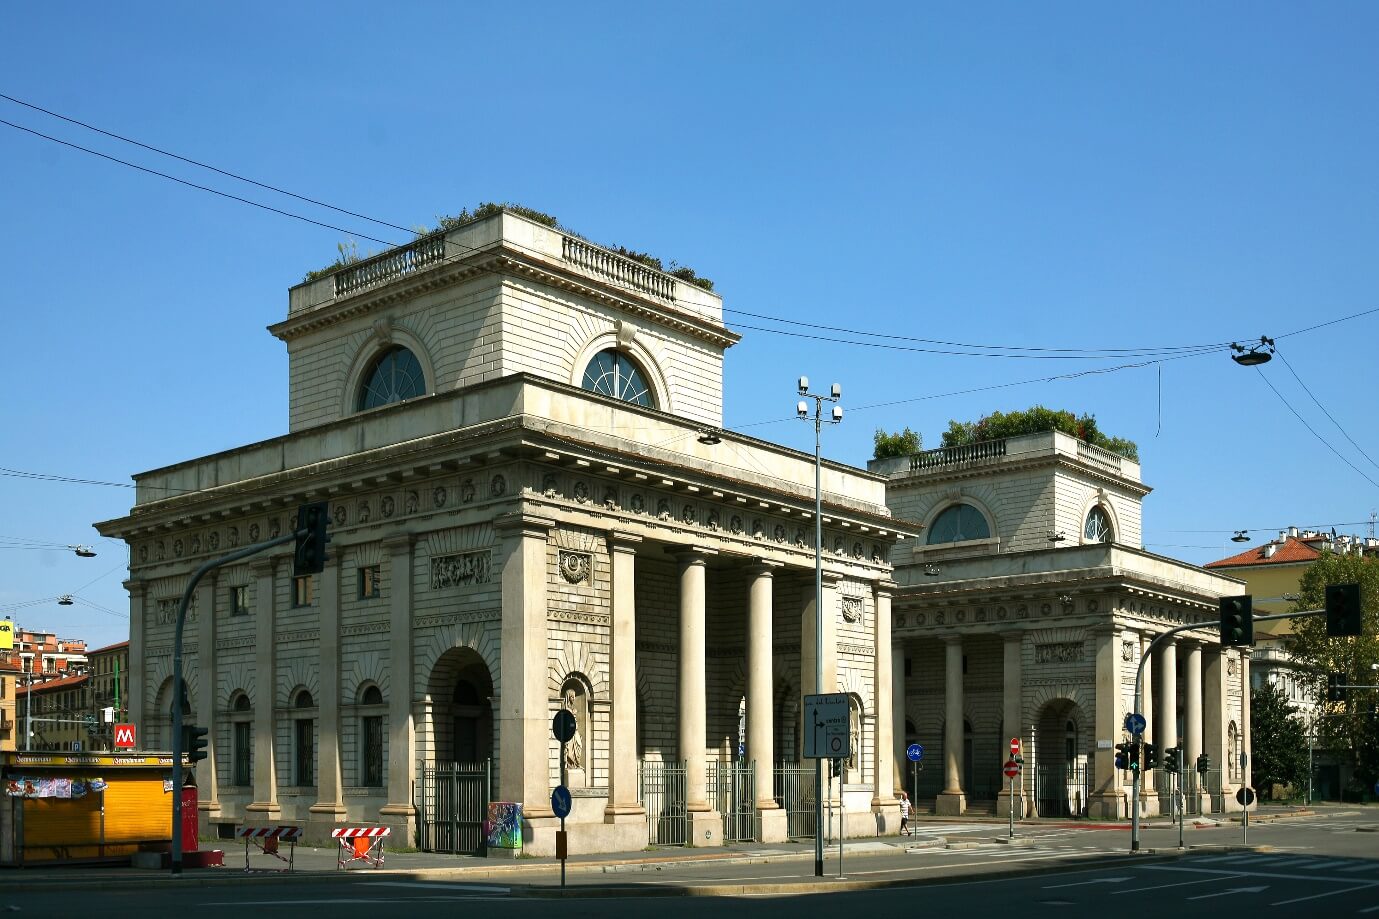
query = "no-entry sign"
x=1011 y=769
x=1014 y=745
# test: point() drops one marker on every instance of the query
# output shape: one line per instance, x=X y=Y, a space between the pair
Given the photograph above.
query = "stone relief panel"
x=461 y=570
x=575 y=566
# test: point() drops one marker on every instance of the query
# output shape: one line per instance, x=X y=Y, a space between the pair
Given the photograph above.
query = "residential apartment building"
x=58 y=712
x=109 y=670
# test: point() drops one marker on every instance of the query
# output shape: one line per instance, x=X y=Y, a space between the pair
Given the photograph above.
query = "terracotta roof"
x=1290 y=551
x=62 y=683
x=115 y=647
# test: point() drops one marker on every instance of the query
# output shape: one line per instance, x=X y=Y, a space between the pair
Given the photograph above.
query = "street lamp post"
x=835 y=416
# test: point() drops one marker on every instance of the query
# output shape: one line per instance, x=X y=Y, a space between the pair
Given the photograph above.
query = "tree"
x=901 y=443
x=1346 y=728
x=1279 y=741
x=1035 y=420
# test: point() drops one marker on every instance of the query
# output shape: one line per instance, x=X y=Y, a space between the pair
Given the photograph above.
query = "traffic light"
x=1123 y=754
x=1151 y=756
x=1237 y=620
x=1335 y=687
x=310 y=554
x=194 y=742
x=1343 y=613
x=1135 y=757
x=1203 y=763
x=1173 y=760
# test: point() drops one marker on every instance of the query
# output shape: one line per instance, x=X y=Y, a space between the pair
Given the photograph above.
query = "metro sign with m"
x=124 y=736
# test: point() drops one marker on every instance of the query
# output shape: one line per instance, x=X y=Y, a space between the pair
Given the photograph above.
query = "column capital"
x=520 y=524
x=830 y=578
x=953 y=638
x=398 y=541
x=884 y=586
x=1012 y=636
x=763 y=568
x=137 y=587
x=265 y=566
x=691 y=555
x=622 y=541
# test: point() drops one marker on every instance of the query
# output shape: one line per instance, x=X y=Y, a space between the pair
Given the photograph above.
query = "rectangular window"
x=306 y=753
x=371 y=729
x=239 y=600
x=304 y=589
x=370 y=582
x=243 y=753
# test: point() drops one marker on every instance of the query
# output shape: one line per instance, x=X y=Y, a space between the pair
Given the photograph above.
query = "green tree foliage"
x=1033 y=421
x=1279 y=742
x=447 y=222
x=901 y=443
x=1347 y=728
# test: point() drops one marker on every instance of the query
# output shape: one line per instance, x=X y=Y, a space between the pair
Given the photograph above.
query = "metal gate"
x=454 y=805
x=733 y=793
x=1061 y=790
x=1197 y=786
x=794 y=789
x=663 y=795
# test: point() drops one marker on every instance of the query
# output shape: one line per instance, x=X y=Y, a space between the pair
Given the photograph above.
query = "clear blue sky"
x=1055 y=175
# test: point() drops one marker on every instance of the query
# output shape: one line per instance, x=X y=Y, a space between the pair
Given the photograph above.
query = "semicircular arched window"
x=1098 y=525
x=395 y=376
x=612 y=373
x=958 y=523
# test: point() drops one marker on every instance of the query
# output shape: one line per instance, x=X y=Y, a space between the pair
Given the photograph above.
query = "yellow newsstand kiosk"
x=74 y=807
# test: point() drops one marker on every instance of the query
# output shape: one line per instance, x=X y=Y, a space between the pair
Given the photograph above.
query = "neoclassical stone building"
x=532 y=507
x=1023 y=612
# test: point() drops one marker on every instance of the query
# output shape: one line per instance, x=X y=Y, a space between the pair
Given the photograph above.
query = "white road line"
x=1369 y=909
x=1210 y=880
x=1318 y=896
x=1258 y=874
x=1362 y=866
x=436 y=885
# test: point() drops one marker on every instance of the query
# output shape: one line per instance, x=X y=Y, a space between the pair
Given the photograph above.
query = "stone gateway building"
x=532 y=507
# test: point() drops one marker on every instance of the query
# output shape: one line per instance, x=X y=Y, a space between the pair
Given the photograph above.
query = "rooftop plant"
x=901 y=443
x=1033 y=421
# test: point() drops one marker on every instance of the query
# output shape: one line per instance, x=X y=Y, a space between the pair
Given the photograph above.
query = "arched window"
x=371 y=737
x=305 y=724
x=612 y=373
x=395 y=376
x=1097 y=528
x=242 y=740
x=957 y=524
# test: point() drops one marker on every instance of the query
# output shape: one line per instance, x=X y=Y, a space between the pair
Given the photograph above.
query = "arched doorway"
x=1062 y=759
x=461 y=692
x=160 y=737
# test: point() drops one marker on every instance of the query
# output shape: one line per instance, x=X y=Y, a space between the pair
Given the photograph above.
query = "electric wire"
x=1319 y=405
x=1313 y=431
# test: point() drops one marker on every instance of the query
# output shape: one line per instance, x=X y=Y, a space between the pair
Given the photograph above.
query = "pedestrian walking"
x=905 y=815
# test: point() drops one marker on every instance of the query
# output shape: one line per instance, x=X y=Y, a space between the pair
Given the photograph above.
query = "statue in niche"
x=574 y=748
x=854 y=740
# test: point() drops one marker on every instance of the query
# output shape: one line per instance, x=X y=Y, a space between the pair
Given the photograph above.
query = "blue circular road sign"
x=1135 y=723
x=560 y=801
x=915 y=752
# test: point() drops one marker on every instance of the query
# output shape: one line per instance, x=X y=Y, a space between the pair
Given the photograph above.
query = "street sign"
x=826 y=734
x=124 y=736
x=560 y=801
x=915 y=752
x=563 y=725
x=1014 y=745
x=1135 y=723
x=1245 y=797
x=1011 y=769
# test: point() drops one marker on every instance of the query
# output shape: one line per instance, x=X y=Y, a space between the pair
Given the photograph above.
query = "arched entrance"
x=1062 y=760
x=457 y=781
x=160 y=737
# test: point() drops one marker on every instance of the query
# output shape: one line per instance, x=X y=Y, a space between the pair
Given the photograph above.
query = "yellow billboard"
x=6 y=635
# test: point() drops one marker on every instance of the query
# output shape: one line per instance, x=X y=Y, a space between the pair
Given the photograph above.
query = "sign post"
x=1245 y=797
x=1012 y=769
x=915 y=753
x=826 y=736
x=563 y=727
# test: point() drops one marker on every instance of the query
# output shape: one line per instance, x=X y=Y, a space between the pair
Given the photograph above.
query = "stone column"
x=623 y=809
x=886 y=772
x=771 y=817
x=1167 y=709
x=1192 y=716
x=705 y=827
x=1012 y=699
x=524 y=748
x=1108 y=797
x=265 y=804
x=329 y=808
x=1246 y=745
x=1214 y=720
x=132 y=690
x=208 y=792
x=898 y=714
x=951 y=801
x=399 y=811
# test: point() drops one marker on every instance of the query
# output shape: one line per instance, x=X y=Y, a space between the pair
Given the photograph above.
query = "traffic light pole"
x=177 y=750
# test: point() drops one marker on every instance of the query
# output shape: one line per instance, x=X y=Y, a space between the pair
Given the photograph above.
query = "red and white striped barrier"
x=286 y=833
x=360 y=844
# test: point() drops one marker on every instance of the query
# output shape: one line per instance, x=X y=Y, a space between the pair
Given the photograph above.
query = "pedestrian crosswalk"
x=1316 y=866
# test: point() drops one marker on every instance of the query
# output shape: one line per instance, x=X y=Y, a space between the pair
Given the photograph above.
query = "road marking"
x=1318 y=896
x=435 y=885
x=1092 y=881
x=1278 y=876
x=1222 y=893
x=1176 y=884
x=1361 y=866
x=1369 y=909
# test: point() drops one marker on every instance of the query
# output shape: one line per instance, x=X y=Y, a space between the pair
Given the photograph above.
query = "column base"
x=402 y=820
x=624 y=813
x=772 y=825
x=705 y=829
x=262 y=810
x=538 y=838
x=321 y=819
x=1149 y=804
x=950 y=804
x=886 y=813
x=1108 y=805
x=1003 y=802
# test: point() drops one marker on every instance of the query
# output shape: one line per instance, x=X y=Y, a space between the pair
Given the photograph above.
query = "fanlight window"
x=1098 y=525
x=958 y=523
x=612 y=373
x=395 y=376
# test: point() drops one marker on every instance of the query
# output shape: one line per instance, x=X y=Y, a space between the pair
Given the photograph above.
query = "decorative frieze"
x=857 y=650
x=300 y=635
x=1065 y=652
x=229 y=644
x=366 y=628
x=566 y=615
x=461 y=570
x=444 y=619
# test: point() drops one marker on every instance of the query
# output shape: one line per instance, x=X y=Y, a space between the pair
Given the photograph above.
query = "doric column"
x=951 y=800
x=330 y=802
x=1214 y=721
x=760 y=679
x=1246 y=744
x=1167 y=680
x=693 y=696
x=1192 y=717
x=402 y=735
x=133 y=682
x=885 y=778
x=898 y=713
x=1012 y=698
x=265 y=689
x=208 y=792
x=523 y=709
x=1107 y=793
x=623 y=805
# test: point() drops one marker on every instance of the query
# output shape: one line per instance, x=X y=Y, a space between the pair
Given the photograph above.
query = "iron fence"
x=794 y=789
x=1061 y=790
x=732 y=788
x=663 y=793
x=454 y=806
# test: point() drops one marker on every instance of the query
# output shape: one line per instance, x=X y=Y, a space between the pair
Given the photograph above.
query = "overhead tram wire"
x=1319 y=405
x=1313 y=431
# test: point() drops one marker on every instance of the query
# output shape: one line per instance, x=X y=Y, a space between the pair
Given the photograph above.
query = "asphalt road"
x=1323 y=865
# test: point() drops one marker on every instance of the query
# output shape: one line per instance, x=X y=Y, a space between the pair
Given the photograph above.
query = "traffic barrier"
x=266 y=838
x=360 y=844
